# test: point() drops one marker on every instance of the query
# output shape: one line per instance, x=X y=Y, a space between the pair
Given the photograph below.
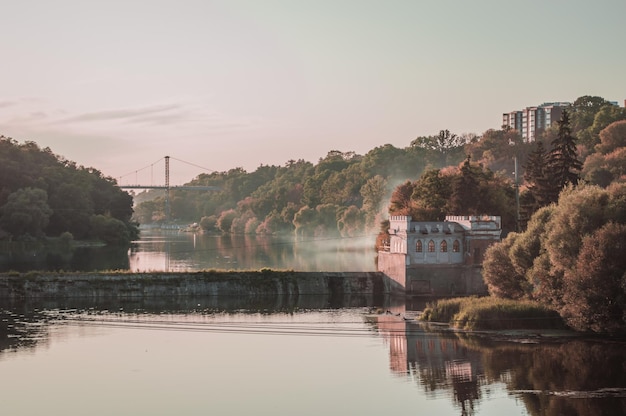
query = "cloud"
x=156 y=114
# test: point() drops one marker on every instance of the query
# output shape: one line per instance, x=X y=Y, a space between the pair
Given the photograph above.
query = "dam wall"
x=100 y=285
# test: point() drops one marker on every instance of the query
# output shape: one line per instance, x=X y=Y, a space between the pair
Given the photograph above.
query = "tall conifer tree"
x=563 y=164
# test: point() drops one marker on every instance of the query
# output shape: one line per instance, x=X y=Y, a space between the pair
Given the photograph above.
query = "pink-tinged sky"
x=117 y=85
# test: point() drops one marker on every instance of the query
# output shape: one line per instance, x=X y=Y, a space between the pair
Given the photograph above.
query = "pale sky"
x=118 y=84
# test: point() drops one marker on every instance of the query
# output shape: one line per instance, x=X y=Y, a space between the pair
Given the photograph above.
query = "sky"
x=117 y=85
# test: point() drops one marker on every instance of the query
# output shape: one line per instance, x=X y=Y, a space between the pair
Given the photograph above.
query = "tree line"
x=44 y=195
x=570 y=254
x=348 y=194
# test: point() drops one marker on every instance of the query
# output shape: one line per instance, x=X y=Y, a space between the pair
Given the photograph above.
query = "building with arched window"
x=418 y=252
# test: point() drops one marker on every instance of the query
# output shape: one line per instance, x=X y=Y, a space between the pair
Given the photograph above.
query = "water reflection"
x=176 y=251
x=24 y=258
x=543 y=375
x=179 y=251
x=551 y=376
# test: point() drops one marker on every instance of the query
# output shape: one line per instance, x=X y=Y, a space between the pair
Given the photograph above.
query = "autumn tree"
x=570 y=258
x=401 y=201
x=608 y=163
x=595 y=294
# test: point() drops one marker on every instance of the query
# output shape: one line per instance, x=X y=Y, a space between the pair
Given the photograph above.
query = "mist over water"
x=159 y=250
x=173 y=250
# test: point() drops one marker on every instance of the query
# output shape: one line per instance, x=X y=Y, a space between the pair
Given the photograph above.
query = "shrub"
x=490 y=313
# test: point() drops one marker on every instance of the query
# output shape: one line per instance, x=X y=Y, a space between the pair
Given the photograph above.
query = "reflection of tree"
x=443 y=363
x=550 y=376
x=20 y=330
x=438 y=361
x=560 y=378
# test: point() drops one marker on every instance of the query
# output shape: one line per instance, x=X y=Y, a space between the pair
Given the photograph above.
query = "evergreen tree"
x=465 y=191
x=563 y=164
x=535 y=175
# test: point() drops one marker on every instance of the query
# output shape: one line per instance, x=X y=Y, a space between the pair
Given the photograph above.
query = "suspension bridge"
x=166 y=186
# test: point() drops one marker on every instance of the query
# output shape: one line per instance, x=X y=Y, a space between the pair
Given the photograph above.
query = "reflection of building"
x=439 y=257
x=438 y=361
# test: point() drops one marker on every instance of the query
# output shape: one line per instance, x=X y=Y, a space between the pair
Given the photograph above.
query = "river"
x=173 y=250
x=235 y=357
x=306 y=356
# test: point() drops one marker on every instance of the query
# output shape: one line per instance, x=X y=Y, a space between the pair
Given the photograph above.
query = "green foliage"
x=72 y=194
x=209 y=224
x=443 y=310
x=26 y=212
x=489 y=313
x=110 y=230
x=563 y=167
x=447 y=146
x=590 y=115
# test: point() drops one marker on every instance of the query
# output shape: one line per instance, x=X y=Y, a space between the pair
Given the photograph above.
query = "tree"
x=351 y=223
x=612 y=137
x=373 y=193
x=110 y=230
x=225 y=220
x=400 y=203
x=431 y=193
x=445 y=144
x=465 y=191
x=584 y=110
x=563 y=164
x=536 y=178
x=501 y=277
x=571 y=258
x=604 y=117
x=26 y=212
x=595 y=293
x=608 y=164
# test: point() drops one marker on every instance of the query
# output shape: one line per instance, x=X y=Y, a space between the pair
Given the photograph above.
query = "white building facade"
x=438 y=256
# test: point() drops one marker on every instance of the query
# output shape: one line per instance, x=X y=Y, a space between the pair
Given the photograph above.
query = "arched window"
x=456 y=246
x=443 y=247
x=431 y=246
x=418 y=246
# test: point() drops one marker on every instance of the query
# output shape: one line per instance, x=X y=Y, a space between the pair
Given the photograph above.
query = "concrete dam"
x=126 y=285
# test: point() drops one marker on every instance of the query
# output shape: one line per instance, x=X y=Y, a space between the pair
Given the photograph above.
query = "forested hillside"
x=44 y=195
x=349 y=194
x=344 y=193
x=570 y=256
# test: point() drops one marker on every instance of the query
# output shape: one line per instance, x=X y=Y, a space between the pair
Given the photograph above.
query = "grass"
x=490 y=313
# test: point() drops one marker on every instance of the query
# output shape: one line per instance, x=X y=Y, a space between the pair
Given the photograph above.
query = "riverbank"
x=490 y=313
x=123 y=285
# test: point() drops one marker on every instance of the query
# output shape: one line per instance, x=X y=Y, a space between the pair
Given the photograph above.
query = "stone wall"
x=445 y=280
x=141 y=285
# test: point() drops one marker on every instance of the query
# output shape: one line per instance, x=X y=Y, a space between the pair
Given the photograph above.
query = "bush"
x=489 y=313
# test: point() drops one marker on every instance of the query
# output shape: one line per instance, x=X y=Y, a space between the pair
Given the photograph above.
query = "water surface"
x=173 y=250
x=192 y=359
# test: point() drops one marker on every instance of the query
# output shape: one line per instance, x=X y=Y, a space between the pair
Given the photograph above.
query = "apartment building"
x=531 y=121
